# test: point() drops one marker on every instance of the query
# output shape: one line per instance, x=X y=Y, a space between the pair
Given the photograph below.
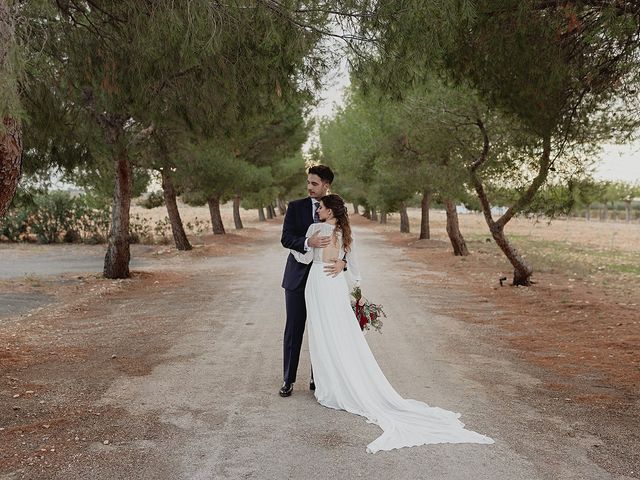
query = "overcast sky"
x=617 y=162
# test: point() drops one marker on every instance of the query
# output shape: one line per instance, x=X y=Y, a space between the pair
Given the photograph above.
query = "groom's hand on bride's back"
x=334 y=267
x=317 y=241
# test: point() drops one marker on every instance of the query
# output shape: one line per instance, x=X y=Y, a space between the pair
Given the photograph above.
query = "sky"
x=616 y=162
x=620 y=162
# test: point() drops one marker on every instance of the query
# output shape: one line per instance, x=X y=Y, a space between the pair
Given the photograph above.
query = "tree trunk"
x=628 y=208
x=216 y=218
x=282 y=206
x=522 y=271
x=367 y=213
x=588 y=213
x=11 y=130
x=453 y=230
x=179 y=235
x=236 y=212
x=269 y=211
x=374 y=214
x=404 y=219
x=261 y=216
x=10 y=161
x=116 y=261
x=355 y=209
x=383 y=217
x=425 y=233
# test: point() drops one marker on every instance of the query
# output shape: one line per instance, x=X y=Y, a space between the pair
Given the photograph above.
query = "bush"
x=57 y=216
x=14 y=225
x=140 y=230
x=53 y=216
x=71 y=236
x=198 y=227
x=91 y=223
x=155 y=199
x=162 y=230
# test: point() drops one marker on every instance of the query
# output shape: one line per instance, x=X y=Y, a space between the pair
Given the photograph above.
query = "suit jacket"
x=296 y=222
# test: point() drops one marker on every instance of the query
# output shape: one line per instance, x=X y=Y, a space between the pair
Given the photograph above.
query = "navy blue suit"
x=296 y=222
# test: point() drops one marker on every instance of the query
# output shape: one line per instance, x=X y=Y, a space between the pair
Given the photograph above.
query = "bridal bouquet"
x=368 y=314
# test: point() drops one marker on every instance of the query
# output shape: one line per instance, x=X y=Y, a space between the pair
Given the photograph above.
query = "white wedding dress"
x=346 y=374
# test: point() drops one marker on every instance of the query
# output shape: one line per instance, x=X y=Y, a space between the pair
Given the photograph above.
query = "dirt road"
x=178 y=374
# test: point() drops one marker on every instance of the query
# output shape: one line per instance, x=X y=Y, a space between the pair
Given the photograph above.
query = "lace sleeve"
x=306 y=257
x=353 y=268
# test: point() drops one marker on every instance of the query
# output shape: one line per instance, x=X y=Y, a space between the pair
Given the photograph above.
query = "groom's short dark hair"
x=324 y=172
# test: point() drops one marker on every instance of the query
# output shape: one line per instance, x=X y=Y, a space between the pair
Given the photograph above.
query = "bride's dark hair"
x=336 y=204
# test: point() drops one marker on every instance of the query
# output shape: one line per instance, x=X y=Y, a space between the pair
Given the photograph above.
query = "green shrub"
x=71 y=236
x=92 y=223
x=155 y=199
x=14 y=225
x=198 y=227
x=53 y=216
x=140 y=230
x=57 y=216
x=162 y=230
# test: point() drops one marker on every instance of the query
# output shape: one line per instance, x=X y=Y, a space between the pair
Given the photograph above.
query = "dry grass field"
x=602 y=252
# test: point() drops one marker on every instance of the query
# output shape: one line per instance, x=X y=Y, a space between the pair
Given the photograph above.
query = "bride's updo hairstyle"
x=336 y=204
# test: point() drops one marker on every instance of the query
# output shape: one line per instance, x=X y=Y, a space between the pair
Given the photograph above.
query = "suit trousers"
x=293 y=332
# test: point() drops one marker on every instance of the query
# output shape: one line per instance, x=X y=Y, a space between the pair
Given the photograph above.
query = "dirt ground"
x=173 y=373
x=569 y=322
x=582 y=329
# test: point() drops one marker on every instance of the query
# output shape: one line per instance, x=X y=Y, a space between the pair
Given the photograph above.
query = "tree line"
x=449 y=99
x=211 y=97
x=494 y=97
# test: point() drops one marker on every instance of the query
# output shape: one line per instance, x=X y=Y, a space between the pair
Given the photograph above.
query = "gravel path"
x=20 y=260
x=212 y=392
x=219 y=381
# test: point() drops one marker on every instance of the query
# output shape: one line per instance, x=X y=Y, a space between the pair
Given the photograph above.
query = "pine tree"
x=10 y=108
x=560 y=71
x=121 y=70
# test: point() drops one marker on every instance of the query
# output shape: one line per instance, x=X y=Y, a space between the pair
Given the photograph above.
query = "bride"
x=347 y=376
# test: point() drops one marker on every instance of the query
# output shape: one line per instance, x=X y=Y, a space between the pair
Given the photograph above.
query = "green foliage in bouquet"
x=369 y=315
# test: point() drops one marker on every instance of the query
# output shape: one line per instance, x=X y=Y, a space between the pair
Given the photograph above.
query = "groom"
x=300 y=214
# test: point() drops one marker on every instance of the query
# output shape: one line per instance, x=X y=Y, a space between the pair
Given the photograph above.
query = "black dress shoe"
x=312 y=385
x=286 y=389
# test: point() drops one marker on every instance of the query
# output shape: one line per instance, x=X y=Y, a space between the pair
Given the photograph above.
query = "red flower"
x=367 y=314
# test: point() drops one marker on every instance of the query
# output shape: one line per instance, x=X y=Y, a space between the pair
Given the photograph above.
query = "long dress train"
x=347 y=376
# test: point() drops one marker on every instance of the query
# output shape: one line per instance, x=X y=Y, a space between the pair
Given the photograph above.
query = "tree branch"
x=540 y=178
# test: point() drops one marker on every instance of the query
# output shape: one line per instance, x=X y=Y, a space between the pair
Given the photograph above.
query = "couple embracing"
x=345 y=374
